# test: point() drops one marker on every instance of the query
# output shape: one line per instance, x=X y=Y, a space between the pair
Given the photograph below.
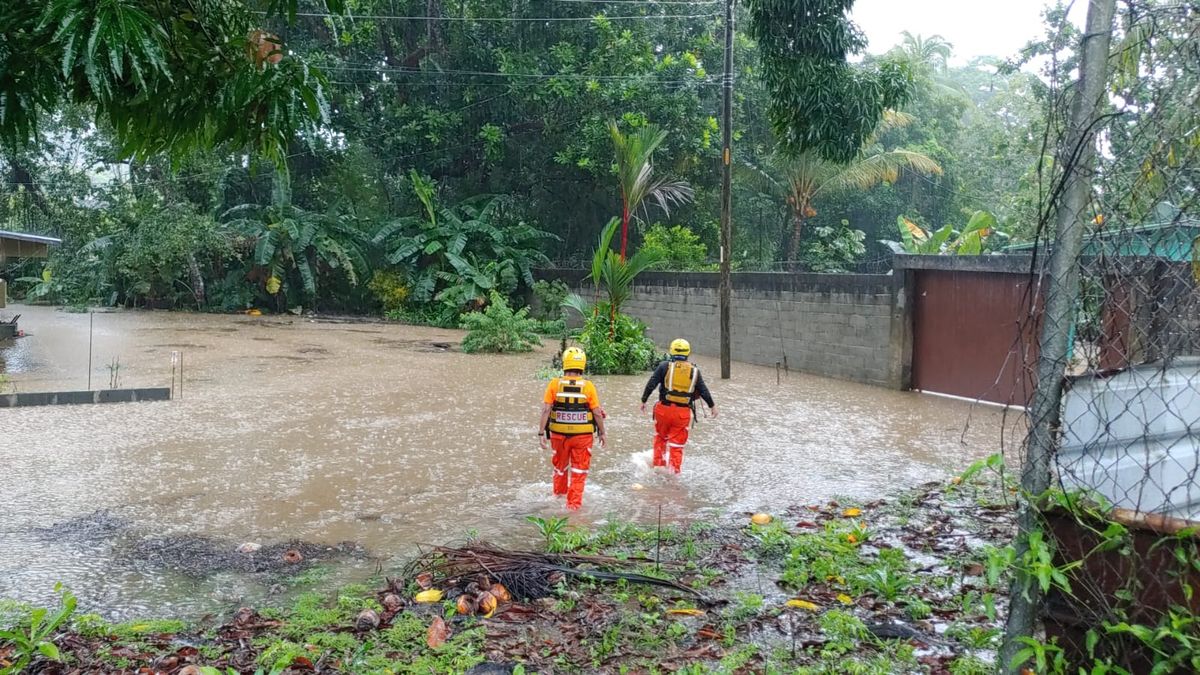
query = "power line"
x=646 y=2
x=527 y=83
x=484 y=73
x=506 y=19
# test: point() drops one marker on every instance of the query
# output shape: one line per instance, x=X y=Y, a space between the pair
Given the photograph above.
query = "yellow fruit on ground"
x=803 y=604
x=431 y=595
x=761 y=519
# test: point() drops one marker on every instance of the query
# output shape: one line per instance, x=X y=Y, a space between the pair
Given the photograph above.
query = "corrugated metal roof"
x=1135 y=438
x=25 y=236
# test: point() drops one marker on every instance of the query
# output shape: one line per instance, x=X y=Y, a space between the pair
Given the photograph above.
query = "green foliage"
x=616 y=345
x=33 y=634
x=170 y=77
x=390 y=289
x=804 y=178
x=818 y=102
x=46 y=287
x=676 y=247
x=614 y=273
x=635 y=174
x=427 y=314
x=834 y=249
x=457 y=255
x=499 y=330
x=535 y=136
x=979 y=232
x=1045 y=658
x=550 y=297
x=290 y=247
x=554 y=531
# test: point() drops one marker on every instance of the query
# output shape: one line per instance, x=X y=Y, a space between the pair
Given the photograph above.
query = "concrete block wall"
x=836 y=325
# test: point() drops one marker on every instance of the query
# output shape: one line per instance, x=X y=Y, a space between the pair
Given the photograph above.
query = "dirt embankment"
x=892 y=586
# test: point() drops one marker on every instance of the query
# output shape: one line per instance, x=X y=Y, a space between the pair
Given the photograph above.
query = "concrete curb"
x=83 y=397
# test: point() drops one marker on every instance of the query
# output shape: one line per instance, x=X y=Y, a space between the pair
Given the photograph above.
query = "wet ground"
x=290 y=430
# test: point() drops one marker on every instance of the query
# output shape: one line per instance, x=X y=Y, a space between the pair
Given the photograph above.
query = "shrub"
x=389 y=289
x=678 y=247
x=835 y=249
x=619 y=348
x=499 y=329
x=550 y=296
x=436 y=314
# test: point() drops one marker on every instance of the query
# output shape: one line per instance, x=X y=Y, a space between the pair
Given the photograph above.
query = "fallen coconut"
x=292 y=557
x=501 y=593
x=487 y=603
x=367 y=619
x=465 y=605
x=392 y=602
x=761 y=519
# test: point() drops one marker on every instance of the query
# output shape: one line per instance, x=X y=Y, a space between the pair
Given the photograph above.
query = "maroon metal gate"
x=973 y=335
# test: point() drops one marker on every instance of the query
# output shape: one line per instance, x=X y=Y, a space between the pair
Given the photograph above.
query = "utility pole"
x=726 y=291
x=1076 y=157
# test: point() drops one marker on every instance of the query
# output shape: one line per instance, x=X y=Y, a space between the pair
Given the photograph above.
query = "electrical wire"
x=505 y=19
x=540 y=76
x=644 y=2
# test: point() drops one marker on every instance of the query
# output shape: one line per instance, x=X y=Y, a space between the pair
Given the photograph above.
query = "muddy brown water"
x=290 y=429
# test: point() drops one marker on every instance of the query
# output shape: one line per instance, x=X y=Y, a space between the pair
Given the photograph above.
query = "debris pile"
x=526 y=575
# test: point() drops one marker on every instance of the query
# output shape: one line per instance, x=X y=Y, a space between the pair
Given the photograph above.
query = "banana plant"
x=459 y=254
x=914 y=239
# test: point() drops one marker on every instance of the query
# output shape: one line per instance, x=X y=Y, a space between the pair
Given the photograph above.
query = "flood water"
x=290 y=429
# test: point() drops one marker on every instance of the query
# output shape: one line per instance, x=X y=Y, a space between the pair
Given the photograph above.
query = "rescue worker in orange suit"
x=571 y=414
x=679 y=384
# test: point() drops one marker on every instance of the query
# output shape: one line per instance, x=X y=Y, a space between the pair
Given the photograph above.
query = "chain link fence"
x=1107 y=556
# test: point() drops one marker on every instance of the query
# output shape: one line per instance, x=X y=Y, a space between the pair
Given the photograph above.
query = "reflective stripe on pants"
x=671 y=424
x=572 y=459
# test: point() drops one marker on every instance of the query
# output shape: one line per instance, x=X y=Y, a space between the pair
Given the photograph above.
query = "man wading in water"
x=571 y=413
x=679 y=384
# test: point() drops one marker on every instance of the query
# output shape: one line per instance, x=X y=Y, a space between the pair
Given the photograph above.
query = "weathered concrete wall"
x=847 y=326
x=83 y=397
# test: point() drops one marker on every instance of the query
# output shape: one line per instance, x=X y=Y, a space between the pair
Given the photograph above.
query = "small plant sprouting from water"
x=32 y=635
x=114 y=373
x=553 y=530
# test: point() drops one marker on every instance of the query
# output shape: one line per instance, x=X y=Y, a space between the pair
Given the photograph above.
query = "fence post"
x=1075 y=156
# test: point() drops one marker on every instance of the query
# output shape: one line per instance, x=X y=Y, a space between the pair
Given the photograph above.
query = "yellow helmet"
x=574 y=359
x=680 y=347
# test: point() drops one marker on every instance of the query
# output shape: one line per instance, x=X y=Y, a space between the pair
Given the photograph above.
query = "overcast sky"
x=975 y=28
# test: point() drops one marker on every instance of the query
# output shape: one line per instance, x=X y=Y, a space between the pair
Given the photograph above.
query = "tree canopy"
x=478 y=131
x=169 y=77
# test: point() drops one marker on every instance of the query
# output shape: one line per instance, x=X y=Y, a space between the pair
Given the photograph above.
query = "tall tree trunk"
x=794 y=245
x=624 y=228
x=197 y=280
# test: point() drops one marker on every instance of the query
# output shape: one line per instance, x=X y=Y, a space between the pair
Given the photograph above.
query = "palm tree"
x=614 y=275
x=929 y=58
x=801 y=180
x=635 y=173
x=931 y=52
